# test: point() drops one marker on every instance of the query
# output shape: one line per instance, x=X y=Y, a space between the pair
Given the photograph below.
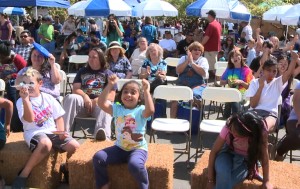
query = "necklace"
x=41 y=105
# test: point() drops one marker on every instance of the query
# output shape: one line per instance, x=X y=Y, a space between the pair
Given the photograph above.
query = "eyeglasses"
x=23 y=36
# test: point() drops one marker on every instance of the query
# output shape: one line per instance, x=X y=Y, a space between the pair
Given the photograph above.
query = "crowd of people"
x=260 y=67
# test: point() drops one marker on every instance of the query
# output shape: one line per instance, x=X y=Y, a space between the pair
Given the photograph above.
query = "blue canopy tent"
x=12 y=10
x=34 y=3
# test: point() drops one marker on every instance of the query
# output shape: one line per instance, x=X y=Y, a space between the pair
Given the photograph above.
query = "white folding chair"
x=2 y=87
x=57 y=66
x=173 y=93
x=172 y=62
x=294 y=83
x=63 y=85
x=218 y=74
x=121 y=82
x=217 y=94
x=77 y=59
x=220 y=64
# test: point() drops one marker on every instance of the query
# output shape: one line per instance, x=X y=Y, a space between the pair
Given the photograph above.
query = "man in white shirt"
x=168 y=45
x=247 y=30
x=230 y=26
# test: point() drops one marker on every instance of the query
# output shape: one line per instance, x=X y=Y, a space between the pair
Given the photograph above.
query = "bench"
x=282 y=175
x=14 y=156
x=159 y=166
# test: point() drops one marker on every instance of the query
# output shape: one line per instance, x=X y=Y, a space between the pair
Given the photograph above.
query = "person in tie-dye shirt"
x=237 y=75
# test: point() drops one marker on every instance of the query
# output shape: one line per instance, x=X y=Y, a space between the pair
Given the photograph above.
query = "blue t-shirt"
x=293 y=115
x=2 y=132
x=130 y=127
x=162 y=65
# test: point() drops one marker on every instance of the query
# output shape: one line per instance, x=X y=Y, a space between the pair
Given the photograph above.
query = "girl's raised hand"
x=294 y=55
x=51 y=59
x=24 y=93
x=113 y=79
x=146 y=85
x=261 y=81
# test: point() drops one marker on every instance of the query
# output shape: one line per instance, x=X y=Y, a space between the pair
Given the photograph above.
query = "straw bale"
x=282 y=175
x=14 y=156
x=159 y=166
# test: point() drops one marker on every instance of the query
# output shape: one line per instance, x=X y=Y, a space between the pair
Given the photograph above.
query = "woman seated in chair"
x=118 y=63
x=192 y=70
x=68 y=48
x=292 y=139
x=237 y=75
x=88 y=84
x=48 y=70
x=264 y=92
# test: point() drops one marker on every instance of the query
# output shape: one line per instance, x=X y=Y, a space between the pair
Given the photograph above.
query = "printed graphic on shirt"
x=42 y=115
x=129 y=137
x=94 y=83
x=8 y=71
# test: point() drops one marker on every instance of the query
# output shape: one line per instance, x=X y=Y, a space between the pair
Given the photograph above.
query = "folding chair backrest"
x=172 y=62
x=220 y=64
x=169 y=92
x=294 y=83
x=63 y=83
x=221 y=94
x=78 y=59
x=220 y=71
x=121 y=82
x=2 y=87
x=57 y=66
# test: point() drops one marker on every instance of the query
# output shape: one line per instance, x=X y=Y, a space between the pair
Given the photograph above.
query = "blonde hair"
x=158 y=48
x=28 y=72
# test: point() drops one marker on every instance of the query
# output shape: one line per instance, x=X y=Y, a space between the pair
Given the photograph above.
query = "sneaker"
x=279 y=157
x=258 y=177
x=65 y=172
x=19 y=183
x=100 y=135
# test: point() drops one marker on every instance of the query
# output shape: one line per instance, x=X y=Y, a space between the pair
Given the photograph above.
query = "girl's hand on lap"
x=146 y=85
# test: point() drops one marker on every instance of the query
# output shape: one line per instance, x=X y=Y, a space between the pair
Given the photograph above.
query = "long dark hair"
x=248 y=124
x=45 y=68
x=141 y=96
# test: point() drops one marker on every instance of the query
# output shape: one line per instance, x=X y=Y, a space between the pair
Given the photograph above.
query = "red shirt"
x=213 y=31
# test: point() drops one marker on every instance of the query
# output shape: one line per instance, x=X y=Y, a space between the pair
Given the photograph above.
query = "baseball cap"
x=48 y=18
x=212 y=13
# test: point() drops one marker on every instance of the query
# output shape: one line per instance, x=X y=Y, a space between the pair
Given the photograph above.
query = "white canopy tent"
x=291 y=16
x=276 y=13
x=154 y=8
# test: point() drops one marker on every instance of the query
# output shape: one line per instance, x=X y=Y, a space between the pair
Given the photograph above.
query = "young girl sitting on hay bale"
x=130 y=121
x=5 y=128
x=41 y=115
x=233 y=158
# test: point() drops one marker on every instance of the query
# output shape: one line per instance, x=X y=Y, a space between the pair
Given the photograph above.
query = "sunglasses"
x=23 y=36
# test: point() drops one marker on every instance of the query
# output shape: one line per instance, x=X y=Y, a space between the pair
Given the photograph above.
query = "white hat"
x=115 y=45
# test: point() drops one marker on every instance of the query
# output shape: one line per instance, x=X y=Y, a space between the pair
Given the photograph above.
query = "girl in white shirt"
x=264 y=92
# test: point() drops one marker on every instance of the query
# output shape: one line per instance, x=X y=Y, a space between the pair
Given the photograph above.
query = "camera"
x=111 y=26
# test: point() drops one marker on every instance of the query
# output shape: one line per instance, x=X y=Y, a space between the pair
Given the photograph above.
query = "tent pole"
x=35 y=13
x=287 y=31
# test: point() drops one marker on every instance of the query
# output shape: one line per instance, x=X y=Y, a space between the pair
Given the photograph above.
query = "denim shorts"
x=57 y=143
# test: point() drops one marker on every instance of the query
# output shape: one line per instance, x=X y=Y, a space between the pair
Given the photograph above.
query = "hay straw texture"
x=159 y=166
x=14 y=156
x=282 y=175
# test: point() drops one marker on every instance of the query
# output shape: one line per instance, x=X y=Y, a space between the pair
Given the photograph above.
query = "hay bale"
x=14 y=156
x=282 y=175
x=159 y=167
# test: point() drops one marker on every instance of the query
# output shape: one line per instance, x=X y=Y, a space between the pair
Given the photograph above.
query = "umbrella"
x=276 y=13
x=72 y=9
x=102 y=8
x=42 y=3
x=12 y=10
x=238 y=11
x=201 y=7
x=154 y=8
x=291 y=16
x=226 y=9
x=133 y=3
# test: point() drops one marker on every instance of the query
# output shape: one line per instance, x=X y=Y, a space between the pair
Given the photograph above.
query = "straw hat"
x=115 y=45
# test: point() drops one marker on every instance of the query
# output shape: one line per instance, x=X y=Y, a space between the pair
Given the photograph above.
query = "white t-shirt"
x=168 y=44
x=248 y=31
x=178 y=38
x=230 y=25
x=46 y=109
x=138 y=59
x=201 y=61
x=270 y=94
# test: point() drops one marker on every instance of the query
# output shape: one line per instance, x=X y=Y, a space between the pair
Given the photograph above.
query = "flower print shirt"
x=162 y=65
x=130 y=127
x=243 y=73
x=121 y=67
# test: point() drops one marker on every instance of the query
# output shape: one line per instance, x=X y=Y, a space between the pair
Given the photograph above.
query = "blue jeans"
x=136 y=160
x=231 y=169
x=231 y=108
